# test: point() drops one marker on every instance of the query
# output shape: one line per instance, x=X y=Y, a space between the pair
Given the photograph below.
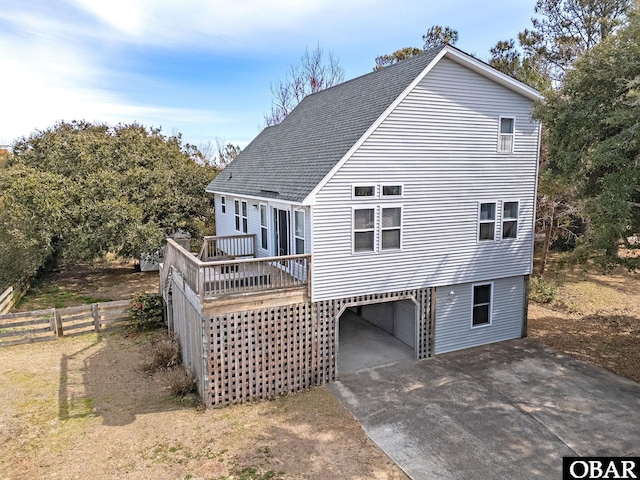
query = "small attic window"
x=360 y=191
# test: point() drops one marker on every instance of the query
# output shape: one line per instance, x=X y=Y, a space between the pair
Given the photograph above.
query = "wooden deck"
x=227 y=267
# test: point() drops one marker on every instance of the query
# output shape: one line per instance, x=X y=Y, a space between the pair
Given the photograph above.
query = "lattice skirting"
x=262 y=353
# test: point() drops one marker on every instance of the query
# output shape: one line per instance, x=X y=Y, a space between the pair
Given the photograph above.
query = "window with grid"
x=236 y=211
x=487 y=221
x=223 y=204
x=506 y=136
x=364 y=220
x=245 y=217
x=510 y=220
x=481 y=305
x=391 y=228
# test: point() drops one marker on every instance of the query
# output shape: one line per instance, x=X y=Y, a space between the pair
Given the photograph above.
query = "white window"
x=223 y=204
x=481 y=312
x=245 y=217
x=506 y=136
x=364 y=191
x=510 y=220
x=298 y=220
x=391 y=228
x=364 y=221
x=264 y=227
x=236 y=208
x=392 y=190
x=487 y=221
x=240 y=212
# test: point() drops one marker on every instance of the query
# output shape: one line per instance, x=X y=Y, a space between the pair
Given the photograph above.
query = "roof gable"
x=291 y=161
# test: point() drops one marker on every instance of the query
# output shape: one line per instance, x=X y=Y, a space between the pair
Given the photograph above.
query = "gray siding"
x=441 y=144
x=453 y=315
x=380 y=314
x=406 y=328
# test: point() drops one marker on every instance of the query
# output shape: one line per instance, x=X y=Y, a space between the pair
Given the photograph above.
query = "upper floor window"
x=364 y=221
x=487 y=221
x=507 y=133
x=241 y=214
x=391 y=228
x=392 y=190
x=264 y=228
x=364 y=191
x=510 y=220
x=481 y=314
x=223 y=204
x=299 y=230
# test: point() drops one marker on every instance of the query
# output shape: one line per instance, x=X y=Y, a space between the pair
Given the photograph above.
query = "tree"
x=312 y=74
x=397 y=56
x=79 y=191
x=593 y=137
x=564 y=30
x=436 y=36
x=218 y=155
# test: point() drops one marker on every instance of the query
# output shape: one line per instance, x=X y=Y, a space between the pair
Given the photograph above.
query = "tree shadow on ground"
x=107 y=379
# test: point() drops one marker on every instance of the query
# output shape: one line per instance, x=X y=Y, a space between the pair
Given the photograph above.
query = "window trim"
x=295 y=235
x=473 y=304
x=356 y=185
x=503 y=219
x=223 y=204
x=479 y=221
x=381 y=228
x=372 y=229
x=236 y=213
x=512 y=134
x=382 y=185
x=264 y=229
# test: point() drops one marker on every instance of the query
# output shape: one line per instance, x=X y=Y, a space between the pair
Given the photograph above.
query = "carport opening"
x=377 y=334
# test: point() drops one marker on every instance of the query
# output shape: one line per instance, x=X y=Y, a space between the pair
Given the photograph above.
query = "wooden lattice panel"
x=259 y=354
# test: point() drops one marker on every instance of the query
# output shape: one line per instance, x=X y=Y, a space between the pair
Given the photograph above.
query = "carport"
x=377 y=334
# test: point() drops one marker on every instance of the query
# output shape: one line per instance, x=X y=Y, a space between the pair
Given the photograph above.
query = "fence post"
x=96 y=316
x=58 y=317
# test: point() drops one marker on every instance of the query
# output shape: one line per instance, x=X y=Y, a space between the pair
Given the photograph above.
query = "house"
x=407 y=194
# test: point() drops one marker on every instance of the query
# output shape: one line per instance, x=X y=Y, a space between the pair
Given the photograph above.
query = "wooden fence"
x=11 y=296
x=42 y=325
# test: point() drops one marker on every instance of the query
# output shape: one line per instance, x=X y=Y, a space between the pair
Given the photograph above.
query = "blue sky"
x=204 y=67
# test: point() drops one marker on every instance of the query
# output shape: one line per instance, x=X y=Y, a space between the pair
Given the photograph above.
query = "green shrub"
x=541 y=290
x=146 y=311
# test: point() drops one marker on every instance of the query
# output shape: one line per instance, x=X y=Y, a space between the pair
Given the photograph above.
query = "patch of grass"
x=56 y=297
x=542 y=290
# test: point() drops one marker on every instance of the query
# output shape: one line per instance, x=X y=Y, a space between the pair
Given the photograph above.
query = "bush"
x=180 y=382
x=541 y=290
x=146 y=311
x=164 y=352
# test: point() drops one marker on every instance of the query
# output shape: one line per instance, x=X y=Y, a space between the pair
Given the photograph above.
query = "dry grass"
x=84 y=406
x=596 y=317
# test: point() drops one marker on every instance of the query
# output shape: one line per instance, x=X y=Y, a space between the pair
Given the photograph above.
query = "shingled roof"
x=288 y=160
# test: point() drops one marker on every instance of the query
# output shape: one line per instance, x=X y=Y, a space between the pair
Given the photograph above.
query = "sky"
x=203 y=68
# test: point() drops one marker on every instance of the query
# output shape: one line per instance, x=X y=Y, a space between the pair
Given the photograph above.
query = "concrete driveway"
x=510 y=410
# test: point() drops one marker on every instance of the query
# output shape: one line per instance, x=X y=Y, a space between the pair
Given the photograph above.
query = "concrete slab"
x=510 y=410
x=363 y=345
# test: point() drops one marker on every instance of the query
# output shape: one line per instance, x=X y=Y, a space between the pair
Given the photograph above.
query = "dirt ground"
x=596 y=317
x=83 y=407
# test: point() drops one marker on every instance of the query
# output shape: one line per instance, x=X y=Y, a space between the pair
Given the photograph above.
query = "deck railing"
x=227 y=276
x=222 y=248
x=255 y=274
